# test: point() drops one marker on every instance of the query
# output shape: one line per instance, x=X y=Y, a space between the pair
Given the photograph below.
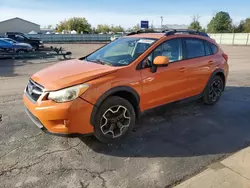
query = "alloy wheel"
x=215 y=90
x=115 y=121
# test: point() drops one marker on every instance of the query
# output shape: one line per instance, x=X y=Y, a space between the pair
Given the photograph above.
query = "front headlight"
x=68 y=94
x=40 y=42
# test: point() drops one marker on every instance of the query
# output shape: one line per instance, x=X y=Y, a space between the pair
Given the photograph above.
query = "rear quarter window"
x=208 y=49
x=214 y=48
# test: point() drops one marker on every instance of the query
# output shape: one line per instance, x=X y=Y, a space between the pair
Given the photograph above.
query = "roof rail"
x=169 y=32
x=142 y=31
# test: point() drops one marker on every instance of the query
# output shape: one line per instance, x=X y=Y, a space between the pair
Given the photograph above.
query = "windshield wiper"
x=99 y=62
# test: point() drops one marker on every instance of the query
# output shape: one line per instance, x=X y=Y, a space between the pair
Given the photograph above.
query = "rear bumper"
x=60 y=118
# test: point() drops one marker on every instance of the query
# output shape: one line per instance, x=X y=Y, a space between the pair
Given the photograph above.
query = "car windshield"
x=25 y=35
x=121 y=52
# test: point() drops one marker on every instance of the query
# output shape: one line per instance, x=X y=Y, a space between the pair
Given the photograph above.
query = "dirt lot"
x=168 y=145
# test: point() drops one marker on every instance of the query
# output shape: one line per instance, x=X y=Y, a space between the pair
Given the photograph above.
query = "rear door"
x=199 y=63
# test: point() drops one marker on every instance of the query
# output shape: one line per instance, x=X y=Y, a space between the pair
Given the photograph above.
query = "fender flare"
x=211 y=77
x=110 y=93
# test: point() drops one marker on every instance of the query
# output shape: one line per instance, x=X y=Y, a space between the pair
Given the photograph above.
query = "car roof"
x=148 y=35
x=14 y=33
x=167 y=32
x=2 y=39
x=181 y=34
x=6 y=38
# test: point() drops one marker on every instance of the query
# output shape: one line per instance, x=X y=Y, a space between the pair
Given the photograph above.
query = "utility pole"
x=161 y=21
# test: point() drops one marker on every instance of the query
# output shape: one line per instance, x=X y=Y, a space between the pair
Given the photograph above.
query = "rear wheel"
x=213 y=90
x=114 y=119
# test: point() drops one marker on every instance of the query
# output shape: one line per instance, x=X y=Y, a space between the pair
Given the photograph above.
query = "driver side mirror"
x=161 y=61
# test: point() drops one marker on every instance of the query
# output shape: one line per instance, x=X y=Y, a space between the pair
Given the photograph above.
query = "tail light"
x=225 y=56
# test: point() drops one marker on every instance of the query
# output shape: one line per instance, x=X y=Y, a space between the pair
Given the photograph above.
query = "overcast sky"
x=126 y=13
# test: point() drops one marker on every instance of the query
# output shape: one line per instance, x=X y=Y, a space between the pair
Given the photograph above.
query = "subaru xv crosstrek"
x=105 y=92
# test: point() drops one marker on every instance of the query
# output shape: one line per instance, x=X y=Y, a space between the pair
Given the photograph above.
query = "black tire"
x=117 y=133
x=35 y=46
x=211 y=97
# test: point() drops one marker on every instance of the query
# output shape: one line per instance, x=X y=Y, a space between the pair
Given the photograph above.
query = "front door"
x=168 y=83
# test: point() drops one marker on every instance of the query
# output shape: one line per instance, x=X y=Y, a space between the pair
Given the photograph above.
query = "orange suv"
x=105 y=92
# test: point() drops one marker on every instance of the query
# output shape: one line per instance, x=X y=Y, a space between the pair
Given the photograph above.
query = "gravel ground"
x=169 y=144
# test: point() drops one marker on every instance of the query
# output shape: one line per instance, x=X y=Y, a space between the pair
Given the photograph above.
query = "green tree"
x=103 y=28
x=203 y=30
x=117 y=29
x=220 y=23
x=76 y=23
x=195 y=24
x=238 y=28
x=136 y=27
x=246 y=26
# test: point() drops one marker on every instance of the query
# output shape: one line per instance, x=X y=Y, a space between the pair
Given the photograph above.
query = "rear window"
x=214 y=48
x=195 y=48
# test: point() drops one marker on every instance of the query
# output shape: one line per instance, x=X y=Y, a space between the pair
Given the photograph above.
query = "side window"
x=214 y=48
x=171 y=49
x=207 y=48
x=195 y=48
x=19 y=37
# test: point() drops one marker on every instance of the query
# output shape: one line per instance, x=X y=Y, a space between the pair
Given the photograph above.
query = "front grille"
x=34 y=90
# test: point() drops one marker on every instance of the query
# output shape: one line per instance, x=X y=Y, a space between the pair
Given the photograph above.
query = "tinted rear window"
x=207 y=48
x=195 y=48
x=214 y=48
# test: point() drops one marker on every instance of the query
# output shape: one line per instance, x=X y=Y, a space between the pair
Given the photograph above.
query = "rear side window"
x=194 y=48
x=214 y=48
x=207 y=48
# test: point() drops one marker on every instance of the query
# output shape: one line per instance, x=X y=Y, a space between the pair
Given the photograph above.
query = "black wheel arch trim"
x=110 y=93
x=211 y=77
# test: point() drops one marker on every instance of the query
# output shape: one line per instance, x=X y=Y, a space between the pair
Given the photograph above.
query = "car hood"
x=23 y=44
x=70 y=72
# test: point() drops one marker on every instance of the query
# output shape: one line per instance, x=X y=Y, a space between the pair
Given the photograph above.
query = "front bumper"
x=60 y=118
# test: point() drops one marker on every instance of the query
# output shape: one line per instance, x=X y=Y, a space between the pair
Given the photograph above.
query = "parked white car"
x=114 y=37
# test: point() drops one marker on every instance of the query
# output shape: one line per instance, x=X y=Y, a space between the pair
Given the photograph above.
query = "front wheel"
x=114 y=119
x=213 y=90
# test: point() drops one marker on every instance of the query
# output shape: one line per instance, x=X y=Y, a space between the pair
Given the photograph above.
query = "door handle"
x=182 y=69
x=210 y=63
